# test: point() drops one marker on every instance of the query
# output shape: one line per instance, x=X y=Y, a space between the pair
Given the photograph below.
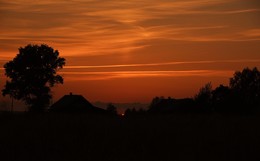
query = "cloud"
x=252 y=33
x=84 y=76
x=94 y=27
x=119 y=71
x=162 y=64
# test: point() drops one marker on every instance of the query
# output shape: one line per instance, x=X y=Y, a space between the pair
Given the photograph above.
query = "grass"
x=179 y=136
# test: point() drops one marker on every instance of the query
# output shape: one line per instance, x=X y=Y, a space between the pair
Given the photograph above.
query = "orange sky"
x=133 y=50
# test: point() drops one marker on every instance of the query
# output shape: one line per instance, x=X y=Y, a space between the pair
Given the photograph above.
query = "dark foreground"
x=81 y=137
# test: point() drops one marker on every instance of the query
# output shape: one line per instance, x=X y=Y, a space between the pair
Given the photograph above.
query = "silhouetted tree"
x=203 y=98
x=134 y=111
x=112 y=109
x=154 y=102
x=158 y=103
x=222 y=99
x=246 y=87
x=141 y=111
x=32 y=72
x=131 y=112
x=127 y=112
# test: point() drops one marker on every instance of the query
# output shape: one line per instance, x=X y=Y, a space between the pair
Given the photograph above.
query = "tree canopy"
x=112 y=109
x=241 y=96
x=246 y=86
x=31 y=75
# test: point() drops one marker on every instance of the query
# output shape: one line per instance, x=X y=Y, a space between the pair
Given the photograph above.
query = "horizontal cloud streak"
x=161 y=64
x=70 y=76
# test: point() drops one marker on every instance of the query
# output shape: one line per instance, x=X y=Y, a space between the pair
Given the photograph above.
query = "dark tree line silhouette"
x=242 y=95
x=134 y=112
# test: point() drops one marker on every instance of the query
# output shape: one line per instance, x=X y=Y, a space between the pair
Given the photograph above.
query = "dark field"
x=180 y=136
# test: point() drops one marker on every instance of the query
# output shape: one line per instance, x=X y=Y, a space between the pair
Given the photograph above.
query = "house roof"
x=73 y=103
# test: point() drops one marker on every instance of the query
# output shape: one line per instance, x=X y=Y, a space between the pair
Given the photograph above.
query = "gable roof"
x=73 y=103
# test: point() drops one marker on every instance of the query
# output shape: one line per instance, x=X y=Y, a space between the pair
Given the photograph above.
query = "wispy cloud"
x=70 y=76
x=162 y=64
x=252 y=33
x=72 y=73
x=91 y=27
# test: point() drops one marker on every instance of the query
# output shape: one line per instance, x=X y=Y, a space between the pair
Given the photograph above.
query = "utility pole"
x=12 y=107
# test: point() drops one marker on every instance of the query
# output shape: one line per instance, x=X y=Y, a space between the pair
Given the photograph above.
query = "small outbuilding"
x=74 y=103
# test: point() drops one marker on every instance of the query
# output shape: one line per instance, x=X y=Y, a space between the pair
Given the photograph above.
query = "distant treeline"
x=242 y=95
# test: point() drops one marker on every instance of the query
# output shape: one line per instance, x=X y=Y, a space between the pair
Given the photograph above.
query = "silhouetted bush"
x=134 y=113
x=204 y=98
x=112 y=109
x=168 y=105
x=222 y=99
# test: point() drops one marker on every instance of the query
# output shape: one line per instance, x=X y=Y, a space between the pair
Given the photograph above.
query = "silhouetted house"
x=74 y=103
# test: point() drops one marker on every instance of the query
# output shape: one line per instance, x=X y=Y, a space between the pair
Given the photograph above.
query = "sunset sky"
x=134 y=50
